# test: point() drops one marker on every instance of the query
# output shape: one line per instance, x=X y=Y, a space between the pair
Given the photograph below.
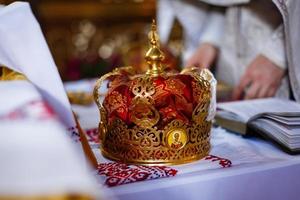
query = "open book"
x=275 y=119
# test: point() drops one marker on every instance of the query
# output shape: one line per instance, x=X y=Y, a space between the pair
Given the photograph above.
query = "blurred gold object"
x=50 y=197
x=224 y=92
x=80 y=98
x=85 y=144
x=138 y=125
x=9 y=75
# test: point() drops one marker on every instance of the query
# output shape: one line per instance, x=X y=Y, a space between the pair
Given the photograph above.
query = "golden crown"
x=157 y=118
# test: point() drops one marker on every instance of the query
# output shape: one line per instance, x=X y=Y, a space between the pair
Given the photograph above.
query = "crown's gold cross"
x=153 y=36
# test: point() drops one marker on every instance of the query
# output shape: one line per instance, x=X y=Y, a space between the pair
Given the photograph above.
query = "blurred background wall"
x=90 y=37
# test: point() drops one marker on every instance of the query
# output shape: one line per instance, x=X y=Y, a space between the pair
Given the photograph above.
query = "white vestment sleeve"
x=165 y=19
x=214 y=28
x=274 y=49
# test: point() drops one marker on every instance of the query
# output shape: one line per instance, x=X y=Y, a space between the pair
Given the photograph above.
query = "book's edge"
x=231 y=125
x=251 y=128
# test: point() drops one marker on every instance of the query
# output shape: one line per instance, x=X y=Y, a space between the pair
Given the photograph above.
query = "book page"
x=287 y=137
x=249 y=108
x=290 y=121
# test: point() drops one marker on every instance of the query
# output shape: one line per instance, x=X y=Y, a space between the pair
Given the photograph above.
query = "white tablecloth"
x=273 y=179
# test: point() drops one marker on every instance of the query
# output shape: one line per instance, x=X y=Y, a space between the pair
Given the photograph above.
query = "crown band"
x=176 y=144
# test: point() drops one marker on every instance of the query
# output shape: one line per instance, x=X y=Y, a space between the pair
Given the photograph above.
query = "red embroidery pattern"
x=39 y=110
x=119 y=173
x=222 y=161
x=92 y=135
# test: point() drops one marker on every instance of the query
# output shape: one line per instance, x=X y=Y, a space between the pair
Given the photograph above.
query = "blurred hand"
x=261 y=79
x=204 y=56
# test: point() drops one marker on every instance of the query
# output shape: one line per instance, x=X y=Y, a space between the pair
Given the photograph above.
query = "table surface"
x=259 y=171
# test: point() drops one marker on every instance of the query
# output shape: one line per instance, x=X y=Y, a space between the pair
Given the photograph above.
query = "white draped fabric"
x=37 y=157
x=23 y=48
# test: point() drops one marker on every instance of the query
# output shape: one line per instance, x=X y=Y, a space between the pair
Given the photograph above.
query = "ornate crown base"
x=178 y=143
x=155 y=162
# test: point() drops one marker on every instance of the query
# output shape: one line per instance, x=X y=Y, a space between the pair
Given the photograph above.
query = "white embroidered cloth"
x=37 y=157
x=23 y=49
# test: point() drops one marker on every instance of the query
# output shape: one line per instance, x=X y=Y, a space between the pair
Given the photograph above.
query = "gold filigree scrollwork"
x=152 y=146
x=202 y=76
x=146 y=138
x=202 y=94
x=200 y=112
x=142 y=87
x=103 y=124
x=99 y=82
x=142 y=111
x=103 y=113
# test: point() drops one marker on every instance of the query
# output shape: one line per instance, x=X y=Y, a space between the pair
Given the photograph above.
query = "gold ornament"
x=10 y=75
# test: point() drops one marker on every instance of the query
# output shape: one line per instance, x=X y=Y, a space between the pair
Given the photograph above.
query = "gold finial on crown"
x=154 y=55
